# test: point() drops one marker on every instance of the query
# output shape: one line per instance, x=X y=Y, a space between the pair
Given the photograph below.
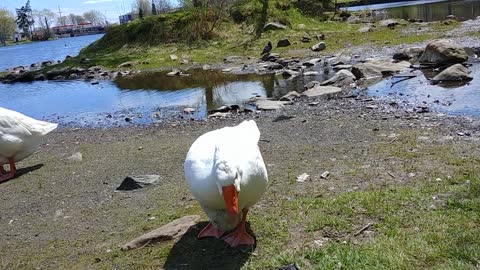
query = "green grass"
x=152 y=40
x=419 y=223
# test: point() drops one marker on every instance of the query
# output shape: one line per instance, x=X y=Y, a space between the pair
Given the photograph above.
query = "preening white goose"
x=225 y=172
x=20 y=136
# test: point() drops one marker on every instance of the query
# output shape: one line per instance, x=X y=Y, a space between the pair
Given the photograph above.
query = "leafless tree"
x=143 y=7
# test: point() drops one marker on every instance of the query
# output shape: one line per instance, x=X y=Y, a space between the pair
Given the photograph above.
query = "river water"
x=28 y=53
x=427 y=10
x=151 y=97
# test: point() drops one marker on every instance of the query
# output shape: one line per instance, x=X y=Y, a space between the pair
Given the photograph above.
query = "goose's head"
x=228 y=183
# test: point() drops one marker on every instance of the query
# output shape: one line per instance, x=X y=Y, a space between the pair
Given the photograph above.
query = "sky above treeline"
x=111 y=8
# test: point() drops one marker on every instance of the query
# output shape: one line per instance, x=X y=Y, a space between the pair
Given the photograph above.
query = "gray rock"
x=76 y=157
x=272 y=57
x=138 y=181
x=320 y=37
x=321 y=91
x=378 y=68
x=365 y=29
x=78 y=70
x=311 y=84
x=318 y=47
x=456 y=73
x=306 y=39
x=283 y=43
x=232 y=59
x=290 y=96
x=354 y=19
x=173 y=57
x=58 y=78
x=311 y=73
x=46 y=63
x=412 y=53
x=274 y=26
x=39 y=77
x=443 y=52
x=174 y=73
x=189 y=110
x=388 y=23
x=219 y=115
x=170 y=231
x=51 y=74
x=289 y=73
x=311 y=62
x=127 y=64
x=339 y=67
x=341 y=78
x=269 y=105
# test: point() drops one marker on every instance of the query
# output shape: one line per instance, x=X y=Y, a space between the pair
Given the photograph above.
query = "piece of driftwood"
x=403 y=78
x=169 y=231
x=364 y=228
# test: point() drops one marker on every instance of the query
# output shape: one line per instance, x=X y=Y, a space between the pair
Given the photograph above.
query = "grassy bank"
x=154 y=39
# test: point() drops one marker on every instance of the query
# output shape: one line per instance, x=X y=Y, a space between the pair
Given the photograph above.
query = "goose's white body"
x=20 y=135
x=237 y=147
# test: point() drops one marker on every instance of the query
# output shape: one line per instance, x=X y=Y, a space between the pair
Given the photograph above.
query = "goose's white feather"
x=20 y=135
x=227 y=155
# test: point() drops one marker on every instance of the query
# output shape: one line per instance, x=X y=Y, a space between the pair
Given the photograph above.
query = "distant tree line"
x=31 y=22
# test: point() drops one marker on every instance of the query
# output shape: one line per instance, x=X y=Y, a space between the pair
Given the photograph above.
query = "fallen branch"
x=404 y=78
x=364 y=228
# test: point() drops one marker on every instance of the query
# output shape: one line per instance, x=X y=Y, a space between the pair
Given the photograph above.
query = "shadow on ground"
x=23 y=171
x=207 y=253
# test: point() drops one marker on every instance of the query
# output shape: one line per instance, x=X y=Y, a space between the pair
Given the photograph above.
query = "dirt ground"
x=61 y=213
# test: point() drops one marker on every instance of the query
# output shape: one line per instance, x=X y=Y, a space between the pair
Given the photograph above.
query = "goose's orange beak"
x=230 y=196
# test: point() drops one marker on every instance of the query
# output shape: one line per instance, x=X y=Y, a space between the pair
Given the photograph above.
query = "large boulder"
x=378 y=68
x=341 y=78
x=274 y=26
x=443 y=51
x=318 y=90
x=455 y=73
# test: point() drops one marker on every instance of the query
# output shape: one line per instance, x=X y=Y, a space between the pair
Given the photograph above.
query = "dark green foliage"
x=314 y=8
x=184 y=26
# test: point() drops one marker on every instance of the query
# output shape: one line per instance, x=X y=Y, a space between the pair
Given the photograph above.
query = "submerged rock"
x=455 y=73
x=443 y=51
x=378 y=68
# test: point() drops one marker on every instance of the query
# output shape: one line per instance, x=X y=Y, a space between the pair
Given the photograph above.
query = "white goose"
x=20 y=136
x=225 y=172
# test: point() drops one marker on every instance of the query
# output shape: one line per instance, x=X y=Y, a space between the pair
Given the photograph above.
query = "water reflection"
x=218 y=88
x=452 y=98
x=81 y=103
